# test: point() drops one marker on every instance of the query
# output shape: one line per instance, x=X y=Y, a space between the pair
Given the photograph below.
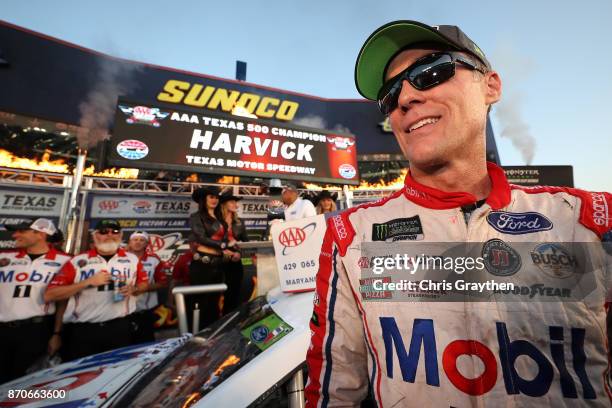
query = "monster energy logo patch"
x=400 y=229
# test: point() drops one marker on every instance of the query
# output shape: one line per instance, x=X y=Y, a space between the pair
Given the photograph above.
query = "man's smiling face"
x=435 y=125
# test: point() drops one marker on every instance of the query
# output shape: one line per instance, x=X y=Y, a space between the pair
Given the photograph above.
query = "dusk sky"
x=553 y=56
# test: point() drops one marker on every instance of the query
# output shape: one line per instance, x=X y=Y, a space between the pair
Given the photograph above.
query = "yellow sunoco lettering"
x=196 y=97
x=173 y=91
x=263 y=111
x=248 y=101
x=287 y=110
x=206 y=96
x=221 y=97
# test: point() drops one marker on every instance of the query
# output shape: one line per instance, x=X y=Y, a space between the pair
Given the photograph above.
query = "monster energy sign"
x=399 y=229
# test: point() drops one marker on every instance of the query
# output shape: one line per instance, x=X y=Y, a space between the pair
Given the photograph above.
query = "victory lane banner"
x=149 y=137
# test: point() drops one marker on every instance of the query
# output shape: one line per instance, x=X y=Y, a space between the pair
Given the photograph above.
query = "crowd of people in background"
x=52 y=303
x=217 y=232
x=55 y=304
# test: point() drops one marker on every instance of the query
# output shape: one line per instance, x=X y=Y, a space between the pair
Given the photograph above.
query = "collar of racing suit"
x=50 y=254
x=440 y=200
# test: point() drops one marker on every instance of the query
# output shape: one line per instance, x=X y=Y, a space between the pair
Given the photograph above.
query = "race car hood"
x=91 y=381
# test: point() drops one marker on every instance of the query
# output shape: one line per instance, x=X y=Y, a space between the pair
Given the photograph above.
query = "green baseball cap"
x=385 y=42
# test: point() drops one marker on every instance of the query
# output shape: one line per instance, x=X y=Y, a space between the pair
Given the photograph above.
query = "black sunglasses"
x=426 y=72
x=105 y=231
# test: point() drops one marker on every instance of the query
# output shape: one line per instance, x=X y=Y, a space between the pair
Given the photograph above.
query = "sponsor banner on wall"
x=560 y=176
x=116 y=206
x=253 y=208
x=146 y=136
x=255 y=224
x=30 y=203
x=149 y=223
x=297 y=245
x=18 y=205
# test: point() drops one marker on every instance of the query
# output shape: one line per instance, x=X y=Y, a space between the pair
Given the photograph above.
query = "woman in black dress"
x=236 y=233
x=207 y=266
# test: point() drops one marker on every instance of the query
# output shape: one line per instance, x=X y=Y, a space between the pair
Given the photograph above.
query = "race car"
x=244 y=359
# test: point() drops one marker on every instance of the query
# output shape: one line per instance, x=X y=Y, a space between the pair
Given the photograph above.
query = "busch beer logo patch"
x=518 y=223
x=399 y=229
x=554 y=260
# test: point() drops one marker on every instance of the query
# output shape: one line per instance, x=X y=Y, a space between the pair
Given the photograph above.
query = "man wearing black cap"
x=99 y=284
x=436 y=86
x=29 y=326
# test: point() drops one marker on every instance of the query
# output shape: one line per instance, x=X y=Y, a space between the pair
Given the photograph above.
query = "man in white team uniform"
x=97 y=310
x=143 y=319
x=28 y=326
x=297 y=207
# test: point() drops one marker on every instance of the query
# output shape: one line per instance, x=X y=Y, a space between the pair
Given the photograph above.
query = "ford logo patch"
x=518 y=223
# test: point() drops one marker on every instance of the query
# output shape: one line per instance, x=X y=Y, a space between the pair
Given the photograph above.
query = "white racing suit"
x=459 y=354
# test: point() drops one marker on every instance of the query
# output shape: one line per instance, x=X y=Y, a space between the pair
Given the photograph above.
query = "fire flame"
x=230 y=361
x=229 y=180
x=8 y=159
x=193 y=178
x=191 y=399
x=395 y=184
x=122 y=172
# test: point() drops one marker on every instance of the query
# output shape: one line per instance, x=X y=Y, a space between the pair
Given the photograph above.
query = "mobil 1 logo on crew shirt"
x=518 y=223
x=399 y=229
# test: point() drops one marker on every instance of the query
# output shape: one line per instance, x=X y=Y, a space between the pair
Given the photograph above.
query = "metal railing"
x=295 y=390
x=19 y=176
x=179 y=293
x=15 y=176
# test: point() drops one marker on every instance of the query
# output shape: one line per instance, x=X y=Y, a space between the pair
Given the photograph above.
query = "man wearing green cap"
x=436 y=86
